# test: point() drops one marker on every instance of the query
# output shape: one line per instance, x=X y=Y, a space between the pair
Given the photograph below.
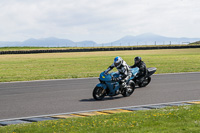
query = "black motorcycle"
x=147 y=79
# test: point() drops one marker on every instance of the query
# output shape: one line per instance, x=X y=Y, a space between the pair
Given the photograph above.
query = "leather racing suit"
x=142 y=70
x=124 y=72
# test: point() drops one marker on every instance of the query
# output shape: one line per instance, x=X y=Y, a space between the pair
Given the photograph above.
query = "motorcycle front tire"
x=98 y=93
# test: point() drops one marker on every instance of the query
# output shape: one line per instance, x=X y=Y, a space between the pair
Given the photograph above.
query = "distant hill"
x=86 y=44
x=48 y=42
x=9 y=44
x=151 y=39
x=197 y=42
x=143 y=39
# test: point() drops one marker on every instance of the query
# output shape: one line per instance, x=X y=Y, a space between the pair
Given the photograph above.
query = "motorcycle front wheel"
x=98 y=93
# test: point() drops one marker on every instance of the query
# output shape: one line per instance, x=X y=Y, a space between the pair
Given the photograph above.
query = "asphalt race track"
x=23 y=99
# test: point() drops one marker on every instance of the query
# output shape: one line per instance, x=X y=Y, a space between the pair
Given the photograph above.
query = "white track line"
x=49 y=115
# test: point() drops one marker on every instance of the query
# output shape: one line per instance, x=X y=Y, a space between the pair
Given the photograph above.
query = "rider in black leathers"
x=142 y=68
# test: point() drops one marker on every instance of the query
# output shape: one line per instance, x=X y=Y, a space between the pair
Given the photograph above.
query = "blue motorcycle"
x=108 y=86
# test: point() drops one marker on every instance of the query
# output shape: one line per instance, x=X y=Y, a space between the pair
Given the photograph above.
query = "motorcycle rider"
x=142 y=68
x=123 y=70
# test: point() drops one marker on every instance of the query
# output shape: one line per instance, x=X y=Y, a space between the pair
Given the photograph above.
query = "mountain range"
x=46 y=42
x=152 y=39
x=143 y=39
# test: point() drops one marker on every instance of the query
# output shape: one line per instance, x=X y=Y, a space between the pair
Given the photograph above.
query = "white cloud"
x=98 y=20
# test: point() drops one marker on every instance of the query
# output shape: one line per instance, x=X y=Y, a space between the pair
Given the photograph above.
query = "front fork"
x=102 y=86
x=104 y=90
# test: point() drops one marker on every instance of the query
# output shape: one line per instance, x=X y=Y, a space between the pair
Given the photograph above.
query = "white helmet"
x=118 y=61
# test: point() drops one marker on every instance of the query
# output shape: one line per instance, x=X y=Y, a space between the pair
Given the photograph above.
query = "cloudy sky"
x=98 y=20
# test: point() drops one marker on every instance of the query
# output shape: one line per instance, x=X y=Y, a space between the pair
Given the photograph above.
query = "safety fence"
x=97 y=49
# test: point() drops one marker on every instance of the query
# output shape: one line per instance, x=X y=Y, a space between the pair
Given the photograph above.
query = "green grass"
x=25 y=67
x=183 y=119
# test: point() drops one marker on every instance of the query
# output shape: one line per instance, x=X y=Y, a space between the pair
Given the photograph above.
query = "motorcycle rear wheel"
x=129 y=90
x=98 y=93
x=145 y=82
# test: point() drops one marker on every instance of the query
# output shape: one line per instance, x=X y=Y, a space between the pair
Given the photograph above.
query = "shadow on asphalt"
x=138 y=87
x=105 y=99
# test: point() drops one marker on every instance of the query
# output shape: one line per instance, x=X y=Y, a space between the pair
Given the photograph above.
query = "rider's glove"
x=105 y=72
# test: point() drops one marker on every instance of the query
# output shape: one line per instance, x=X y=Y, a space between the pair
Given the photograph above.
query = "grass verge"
x=182 y=119
x=44 y=66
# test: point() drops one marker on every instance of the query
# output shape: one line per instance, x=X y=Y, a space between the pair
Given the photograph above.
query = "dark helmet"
x=137 y=59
